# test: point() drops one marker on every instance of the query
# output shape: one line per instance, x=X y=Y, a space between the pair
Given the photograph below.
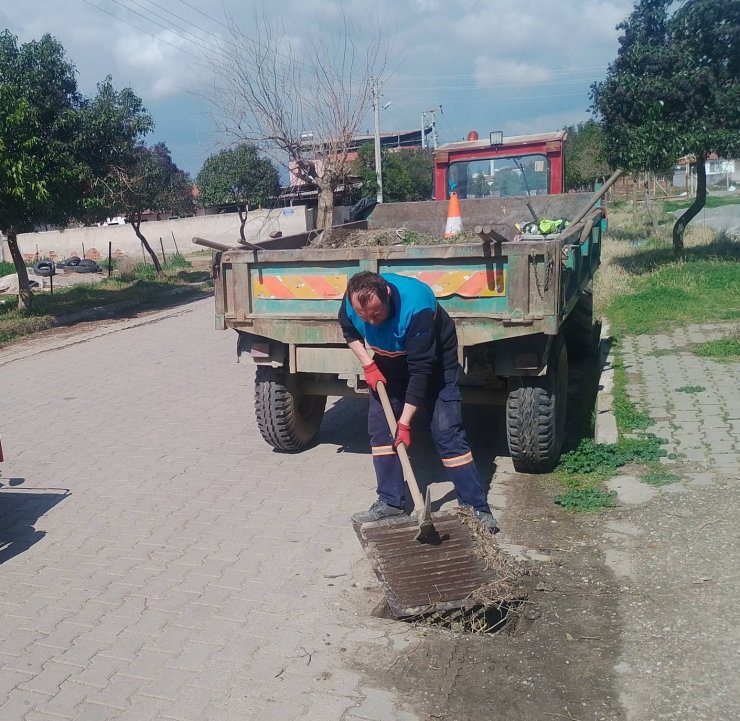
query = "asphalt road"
x=726 y=217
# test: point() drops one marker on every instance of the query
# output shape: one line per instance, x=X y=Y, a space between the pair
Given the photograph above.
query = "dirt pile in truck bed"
x=338 y=237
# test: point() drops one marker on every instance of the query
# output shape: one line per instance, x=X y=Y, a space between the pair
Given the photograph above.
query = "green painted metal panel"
x=302 y=306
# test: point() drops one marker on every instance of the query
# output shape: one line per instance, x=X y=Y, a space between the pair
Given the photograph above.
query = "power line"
x=135 y=27
x=220 y=38
x=205 y=15
x=494 y=86
x=502 y=99
x=164 y=27
x=565 y=71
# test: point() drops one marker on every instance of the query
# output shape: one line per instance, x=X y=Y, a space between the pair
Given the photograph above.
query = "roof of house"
x=388 y=139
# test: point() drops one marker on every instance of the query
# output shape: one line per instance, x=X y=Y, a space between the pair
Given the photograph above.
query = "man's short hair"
x=366 y=285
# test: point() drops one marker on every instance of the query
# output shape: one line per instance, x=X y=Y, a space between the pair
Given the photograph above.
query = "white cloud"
x=545 y=122
x=155 y=65
x=492 y=72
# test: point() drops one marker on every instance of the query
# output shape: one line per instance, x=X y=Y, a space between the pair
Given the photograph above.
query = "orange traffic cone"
x=454 y=219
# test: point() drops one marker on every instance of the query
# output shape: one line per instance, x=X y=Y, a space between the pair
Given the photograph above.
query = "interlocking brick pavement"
x=159 y=560
x=692 y=399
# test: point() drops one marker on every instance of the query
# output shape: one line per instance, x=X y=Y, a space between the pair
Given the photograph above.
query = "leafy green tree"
x=585 y=156
x=53 y=141
x=673 y=90
x=148 y=181
x=407 y=173
x=238 y=176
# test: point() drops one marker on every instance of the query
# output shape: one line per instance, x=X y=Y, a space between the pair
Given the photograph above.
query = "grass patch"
x=137 y=283
x=725 y=348
x=586 y=499
x=713 y=201
x=691 y=389
x=628 y=416
x=584 y=470
x=6 y=268
x=634 y=260
x=677 y=293
x=660 y=477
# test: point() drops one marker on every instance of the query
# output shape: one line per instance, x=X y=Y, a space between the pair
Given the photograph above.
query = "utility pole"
x=376 y=112
x=435 y=137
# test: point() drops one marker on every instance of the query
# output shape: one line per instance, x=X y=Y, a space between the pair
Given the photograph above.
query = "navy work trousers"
x=444 y=405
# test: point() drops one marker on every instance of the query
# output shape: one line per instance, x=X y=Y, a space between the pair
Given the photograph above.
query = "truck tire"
x=535 y=415
x=288 y=420
x=579 y=327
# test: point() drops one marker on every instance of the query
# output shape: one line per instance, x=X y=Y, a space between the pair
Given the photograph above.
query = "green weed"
x=6 y=268
x=721 y=348
x=584 y=470
x=586 y=499
x=628 y=416
x=691 y=389
x=604 y=458
x=659 y=477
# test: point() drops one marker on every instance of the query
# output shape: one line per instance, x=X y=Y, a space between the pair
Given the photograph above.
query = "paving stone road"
x=158 y=559
x=676 y=549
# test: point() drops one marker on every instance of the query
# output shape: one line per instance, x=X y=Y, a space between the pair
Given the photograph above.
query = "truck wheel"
x=287 y=419
x=579 y=327
x=535 y=415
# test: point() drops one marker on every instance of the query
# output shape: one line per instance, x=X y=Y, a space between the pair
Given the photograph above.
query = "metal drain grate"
x=418 y=579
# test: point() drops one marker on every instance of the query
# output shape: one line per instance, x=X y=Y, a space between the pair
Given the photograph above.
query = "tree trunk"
x=24 y=291
x=136 y=224
x=242 y=210
x=651 y=212
x=325 y=214
x=694 y=208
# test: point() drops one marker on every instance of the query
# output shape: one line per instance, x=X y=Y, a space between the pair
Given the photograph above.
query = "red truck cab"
x=500 y=167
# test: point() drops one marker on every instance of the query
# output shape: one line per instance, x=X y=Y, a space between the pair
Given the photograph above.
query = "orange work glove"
x=373 y=375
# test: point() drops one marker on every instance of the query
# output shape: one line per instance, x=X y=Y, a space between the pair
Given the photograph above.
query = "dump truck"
x=521 y=302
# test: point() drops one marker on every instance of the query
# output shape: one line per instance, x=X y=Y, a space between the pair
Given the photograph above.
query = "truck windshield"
x=499 y=177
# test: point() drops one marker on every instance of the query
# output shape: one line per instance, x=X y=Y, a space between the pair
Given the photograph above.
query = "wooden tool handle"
x=403 y=455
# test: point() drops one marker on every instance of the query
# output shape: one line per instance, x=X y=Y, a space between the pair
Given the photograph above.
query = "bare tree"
x=300 y=100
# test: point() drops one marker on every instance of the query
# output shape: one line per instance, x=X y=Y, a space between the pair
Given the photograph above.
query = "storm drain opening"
x=475 y=618
x=465 y=584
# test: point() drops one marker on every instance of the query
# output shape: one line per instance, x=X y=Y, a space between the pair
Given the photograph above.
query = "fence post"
x=110 y=257
x=177 y=250
x=161 y=245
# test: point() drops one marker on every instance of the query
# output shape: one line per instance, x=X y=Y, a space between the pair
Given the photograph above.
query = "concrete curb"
x=110 y=310
x=605 y=426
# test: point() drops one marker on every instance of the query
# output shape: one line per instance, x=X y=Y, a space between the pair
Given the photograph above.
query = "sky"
x=520 y=66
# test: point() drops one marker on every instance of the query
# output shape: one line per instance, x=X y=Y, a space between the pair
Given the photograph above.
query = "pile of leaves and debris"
x=338 y=237
x=496 y=604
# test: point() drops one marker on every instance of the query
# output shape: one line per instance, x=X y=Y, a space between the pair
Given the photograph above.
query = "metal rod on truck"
x=488 y=234
x=597 y=196
x=211 y=244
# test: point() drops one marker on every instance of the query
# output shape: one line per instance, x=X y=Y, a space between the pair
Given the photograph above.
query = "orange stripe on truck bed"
x=299 y=287
x=444 y=283
x=465 y=283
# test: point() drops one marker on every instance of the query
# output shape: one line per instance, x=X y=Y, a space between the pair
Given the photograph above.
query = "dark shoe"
x=487 y=520
x=376 y=512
